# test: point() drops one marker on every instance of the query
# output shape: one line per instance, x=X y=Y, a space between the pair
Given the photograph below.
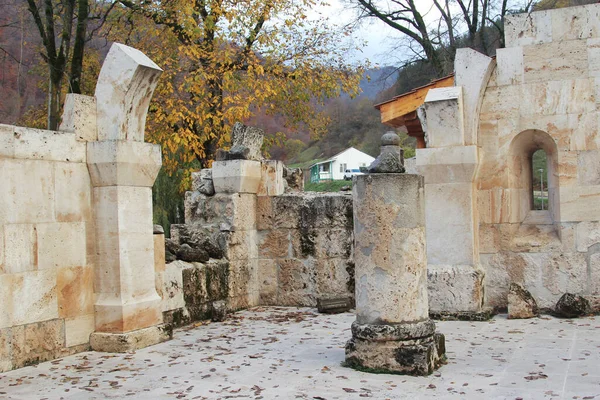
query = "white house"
x=333 y=168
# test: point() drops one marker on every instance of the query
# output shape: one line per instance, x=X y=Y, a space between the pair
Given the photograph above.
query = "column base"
x=130 y=341
x=388 y=349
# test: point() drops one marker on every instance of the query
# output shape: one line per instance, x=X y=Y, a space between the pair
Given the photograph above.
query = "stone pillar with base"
x=123 y=169
x=392 y=332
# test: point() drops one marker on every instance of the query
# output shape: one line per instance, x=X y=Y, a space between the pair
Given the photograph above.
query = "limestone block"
x=390 y=257
x=275 y=243
x=37 y=342
x=567 y=168
x=568 y=237
x=38 y=144
x=264 y=212
x=7 y=141
x=585 y=132
x=2 y=267
x=297 y=282
x=236 y=176
x=78 y=330
x=451 y=164
x=272 y=182
x=450 y=227
x=267 y=272
x=129 y=341
x=455 y=288
x=20 y=245
x=509 y=70
x=588 y=167
x=73 y=192
x=489 y=238
x=172 y=290
x=444 y=109
x=528 y=28
x=521 y=303
x=587 y=234
x=27 y=189
x=594 y=268
x=593 y=49
x=567 y=96
x=5 y=350
x=499 y=103
x=124 y=163
x=335 y=242
x=37 y=296
x=333 y=277
x=472 y=73
x=555 y=61
x=579 y=203
x=202 y=182
x=75 y=289
x=6 y=299
x=79 y=117
x=123 y=92
x=575 y=23
x=61 y=244
x=159 y=261
x=112 y=315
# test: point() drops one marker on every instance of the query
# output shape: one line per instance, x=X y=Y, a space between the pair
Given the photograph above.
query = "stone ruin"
x=82 y=267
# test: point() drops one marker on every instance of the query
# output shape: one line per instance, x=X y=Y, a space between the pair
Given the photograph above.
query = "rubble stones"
x=572 y=306
x=521 y=303
x=202 y=182
x=189 y=254
x=246 y=142
x=219 y=311
x=294 y=179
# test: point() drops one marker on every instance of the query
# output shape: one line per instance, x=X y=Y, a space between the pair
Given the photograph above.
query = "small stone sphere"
x=390 y=139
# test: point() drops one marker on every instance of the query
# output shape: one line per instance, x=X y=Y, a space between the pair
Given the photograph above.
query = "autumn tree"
x=225 y=61
x=63 y=29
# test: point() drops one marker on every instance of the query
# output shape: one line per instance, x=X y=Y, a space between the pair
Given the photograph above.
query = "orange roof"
x=394 y=110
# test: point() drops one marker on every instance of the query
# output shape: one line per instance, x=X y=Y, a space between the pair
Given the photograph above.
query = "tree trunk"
x=78 y=47
x=54 y=100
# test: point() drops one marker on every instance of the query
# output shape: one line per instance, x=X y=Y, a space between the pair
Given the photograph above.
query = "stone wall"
x=46 y=246
x=76 y=247
x=267 y=248
x=305 y=248
x=543 y=94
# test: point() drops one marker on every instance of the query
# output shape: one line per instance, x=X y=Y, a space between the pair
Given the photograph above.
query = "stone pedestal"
x=392 y=332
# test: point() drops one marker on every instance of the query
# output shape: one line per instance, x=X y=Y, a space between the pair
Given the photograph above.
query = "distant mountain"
x=377 y=80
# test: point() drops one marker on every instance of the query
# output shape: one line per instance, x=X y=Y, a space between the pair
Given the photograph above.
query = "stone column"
x=123 y=169
x=392 y=332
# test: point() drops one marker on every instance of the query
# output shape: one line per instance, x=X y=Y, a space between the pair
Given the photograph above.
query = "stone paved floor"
x=289 y=353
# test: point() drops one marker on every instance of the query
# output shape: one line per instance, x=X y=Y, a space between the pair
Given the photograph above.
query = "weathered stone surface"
x=236 y=176
x=411 y=357
x=391 y=157
x=202 y=182
x=294 y=181
x=79 y=117
x=130 y=341
x=189 y=254
x=37 y=342
x=334 y=305
x=521 y=303
x=572 y=306
x=246 y=142
x=389 y=235
x=219 y=311
x=393 y=332
x=123 y=92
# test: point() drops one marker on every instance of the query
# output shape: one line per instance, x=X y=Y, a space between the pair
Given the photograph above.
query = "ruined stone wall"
x=287 y=249
x=543 y=94
x=46 y=246
x=305 y=248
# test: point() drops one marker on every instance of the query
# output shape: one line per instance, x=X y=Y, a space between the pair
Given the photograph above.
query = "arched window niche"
x=531 y=151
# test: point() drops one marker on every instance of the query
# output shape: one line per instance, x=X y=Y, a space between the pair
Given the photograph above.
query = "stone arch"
x=520 y=175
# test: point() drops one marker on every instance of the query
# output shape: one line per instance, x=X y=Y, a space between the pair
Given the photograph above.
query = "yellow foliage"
x=224 y=61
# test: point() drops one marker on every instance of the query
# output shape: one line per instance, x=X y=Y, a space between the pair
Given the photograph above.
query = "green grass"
x=326 y=186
